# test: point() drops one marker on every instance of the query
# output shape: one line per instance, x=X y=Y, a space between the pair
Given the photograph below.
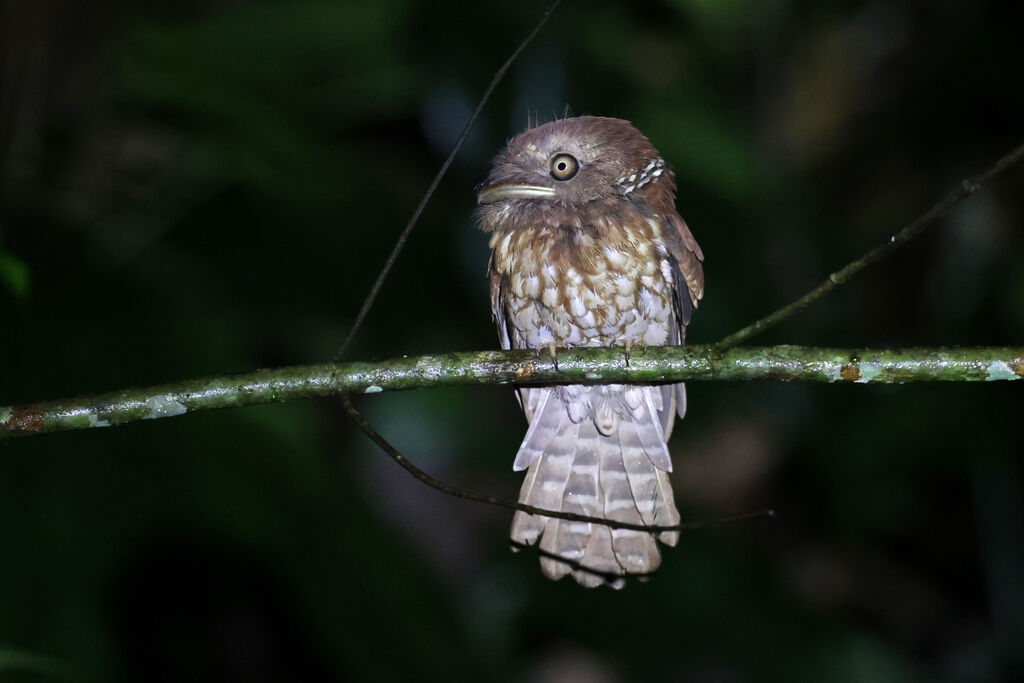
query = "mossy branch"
x=656 y=364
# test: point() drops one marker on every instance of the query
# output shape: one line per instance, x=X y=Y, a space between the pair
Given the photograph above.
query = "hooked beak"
x=502 y=191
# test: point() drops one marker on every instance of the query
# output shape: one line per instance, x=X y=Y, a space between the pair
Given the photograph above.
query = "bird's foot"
x=628 y=348
x=552 y=349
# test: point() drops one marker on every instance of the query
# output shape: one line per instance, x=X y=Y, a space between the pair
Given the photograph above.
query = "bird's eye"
x=564 y=166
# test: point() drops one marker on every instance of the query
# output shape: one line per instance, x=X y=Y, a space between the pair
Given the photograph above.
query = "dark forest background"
x=209 y=186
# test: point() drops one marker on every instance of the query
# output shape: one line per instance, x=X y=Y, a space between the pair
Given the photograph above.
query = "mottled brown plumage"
x=588 y=250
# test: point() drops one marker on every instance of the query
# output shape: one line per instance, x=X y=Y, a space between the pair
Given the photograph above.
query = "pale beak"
x=497 y=193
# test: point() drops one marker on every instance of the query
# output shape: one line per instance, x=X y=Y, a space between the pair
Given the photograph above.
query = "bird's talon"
x=629 y=346
x=554 y=355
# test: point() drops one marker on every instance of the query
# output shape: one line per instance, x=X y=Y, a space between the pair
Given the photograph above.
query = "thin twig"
x=379 y=282
x=419 y=474
x=571 y=563
x=910 y=231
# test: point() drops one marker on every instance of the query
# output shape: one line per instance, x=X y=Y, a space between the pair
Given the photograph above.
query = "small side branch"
x=907 y=233
x=576 y=366
x=466 y=494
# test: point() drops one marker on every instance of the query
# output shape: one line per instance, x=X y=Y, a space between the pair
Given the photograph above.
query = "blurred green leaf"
x=14 y=661
x=708 y=146
x=15 y=275
x=264 y=86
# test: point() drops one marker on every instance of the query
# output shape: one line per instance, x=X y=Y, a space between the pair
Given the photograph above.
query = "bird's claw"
x=554 y=355
x=629 y=346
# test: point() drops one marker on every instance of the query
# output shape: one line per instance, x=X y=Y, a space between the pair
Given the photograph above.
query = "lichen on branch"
x=575 y=366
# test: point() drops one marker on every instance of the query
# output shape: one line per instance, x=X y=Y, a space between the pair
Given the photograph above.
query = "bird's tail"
x=616 y=470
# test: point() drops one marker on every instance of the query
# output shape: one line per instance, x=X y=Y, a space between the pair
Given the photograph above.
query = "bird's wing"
x=528 y=398
x=687 y=262
x=688 y=266
x=497 y=307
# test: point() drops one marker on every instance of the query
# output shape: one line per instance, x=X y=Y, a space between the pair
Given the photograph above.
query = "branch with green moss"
x=656 y=364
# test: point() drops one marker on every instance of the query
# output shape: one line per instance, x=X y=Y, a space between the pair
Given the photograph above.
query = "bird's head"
x=567 y=164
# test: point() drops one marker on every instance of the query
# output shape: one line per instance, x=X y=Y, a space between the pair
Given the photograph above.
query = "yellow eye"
x=563 y=166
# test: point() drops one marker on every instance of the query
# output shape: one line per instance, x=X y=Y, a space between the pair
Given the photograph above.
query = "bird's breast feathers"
x=608 y=282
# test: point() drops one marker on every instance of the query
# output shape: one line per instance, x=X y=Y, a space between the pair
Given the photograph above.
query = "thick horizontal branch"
x=656 y=364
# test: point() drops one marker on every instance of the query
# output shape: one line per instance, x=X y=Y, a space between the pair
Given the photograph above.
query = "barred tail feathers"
x=576 y=467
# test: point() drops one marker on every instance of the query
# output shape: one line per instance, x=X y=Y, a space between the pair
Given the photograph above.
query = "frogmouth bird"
x=587 y=249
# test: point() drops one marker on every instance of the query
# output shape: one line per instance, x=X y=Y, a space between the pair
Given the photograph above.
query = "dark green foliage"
x=199 y=188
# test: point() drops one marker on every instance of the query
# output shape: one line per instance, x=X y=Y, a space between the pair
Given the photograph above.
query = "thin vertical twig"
x=404 y=236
